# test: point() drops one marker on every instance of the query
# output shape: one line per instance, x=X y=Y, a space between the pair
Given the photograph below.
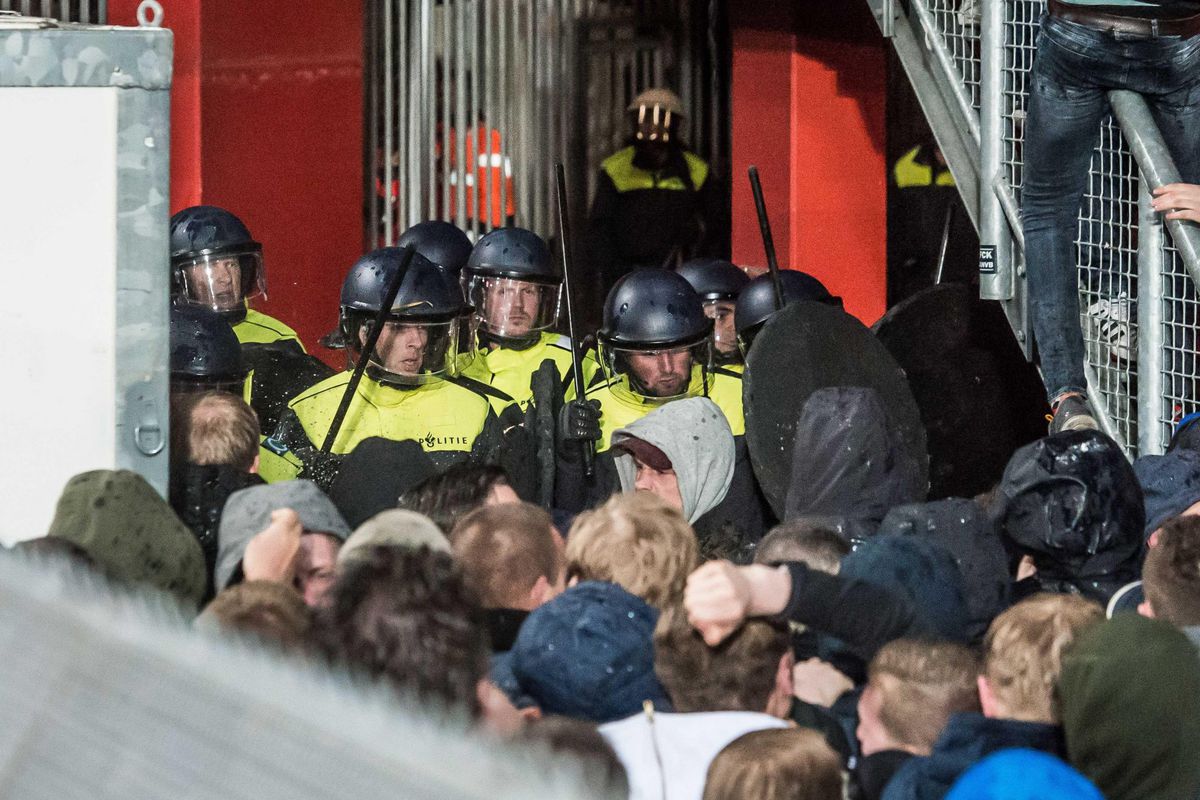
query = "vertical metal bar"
x=389 y=140
x=411 y=109
x=535 y=217
x=445 y=144
x=471 y=124
x=1150 y=402
x=461 y=123
x=429 y=111
x=27 y=8
x=993 y=227
x=372 y=162
x=507 y=130
x=486 y=187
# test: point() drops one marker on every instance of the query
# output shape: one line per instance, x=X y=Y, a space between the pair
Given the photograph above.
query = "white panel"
x=58 y=224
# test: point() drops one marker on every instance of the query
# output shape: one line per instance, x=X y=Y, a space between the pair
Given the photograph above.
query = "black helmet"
x=714 y=279
x=429 y=305
x=756 y=303
x=215 y=262
x=511 y=281
x=652 y=311
x=205 y=352
x=440 y=242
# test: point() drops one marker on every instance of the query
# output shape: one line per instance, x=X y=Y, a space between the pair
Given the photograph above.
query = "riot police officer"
x=756 y=304
x=205 y=354
x=444 y=244
x=653 y=348
x=410 y=389
x=511 y=283
x=718 y=283
x=217 y=264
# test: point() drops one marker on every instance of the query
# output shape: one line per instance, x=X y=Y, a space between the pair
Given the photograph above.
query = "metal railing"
x=470 y=102
x=94 y=12
x=1139 y=308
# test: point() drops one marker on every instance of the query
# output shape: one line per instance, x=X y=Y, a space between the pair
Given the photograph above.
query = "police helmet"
x=205 y=352
x=215 y=262
x=428 y=335
x=714 y=279
x=756 y=303
x=511 y=282
x=440 y=242
x=652 y=312
x=655 y=114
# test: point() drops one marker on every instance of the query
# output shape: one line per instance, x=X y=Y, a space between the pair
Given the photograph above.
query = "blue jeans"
x=1075 y=68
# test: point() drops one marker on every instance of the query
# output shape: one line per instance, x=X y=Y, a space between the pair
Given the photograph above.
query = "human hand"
x=719 y=597
x=819 y=683
x=271 y=554
x=1178 y=201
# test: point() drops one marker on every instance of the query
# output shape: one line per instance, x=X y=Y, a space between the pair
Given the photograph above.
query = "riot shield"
x=957 y=385
x=810 y=346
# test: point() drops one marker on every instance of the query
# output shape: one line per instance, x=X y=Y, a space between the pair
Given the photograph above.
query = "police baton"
x=385 y=307
x=764 y=225
x=564 y=235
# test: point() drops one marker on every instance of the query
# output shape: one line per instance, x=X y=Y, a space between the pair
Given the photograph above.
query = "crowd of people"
x=569 y=542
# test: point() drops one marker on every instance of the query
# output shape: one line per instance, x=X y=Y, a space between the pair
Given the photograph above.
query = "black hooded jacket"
x=198 y=495
x=849 y=462
x=1074 y=503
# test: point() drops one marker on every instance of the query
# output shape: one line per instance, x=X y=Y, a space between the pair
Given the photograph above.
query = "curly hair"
x=406 y=616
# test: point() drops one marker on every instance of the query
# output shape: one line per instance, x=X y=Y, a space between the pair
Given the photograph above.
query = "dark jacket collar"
x=503 y=624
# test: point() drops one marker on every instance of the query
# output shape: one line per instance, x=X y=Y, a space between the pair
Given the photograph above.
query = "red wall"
x=808 y=96
x=267 y=121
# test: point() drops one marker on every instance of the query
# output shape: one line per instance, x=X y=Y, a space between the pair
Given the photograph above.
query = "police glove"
x=578 y=421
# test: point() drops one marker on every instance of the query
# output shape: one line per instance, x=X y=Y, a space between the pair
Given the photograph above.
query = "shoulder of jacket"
x=620 y=158
x=333 y=382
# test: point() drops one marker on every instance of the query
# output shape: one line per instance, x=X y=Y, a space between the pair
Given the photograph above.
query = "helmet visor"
x=415 y=353
x=724 y=333
x=221 y=282
x=654 y=123
x=511 y=307
x=664 y=374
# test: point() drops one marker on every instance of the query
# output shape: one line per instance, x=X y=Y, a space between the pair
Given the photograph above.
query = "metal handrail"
x=1158 y=168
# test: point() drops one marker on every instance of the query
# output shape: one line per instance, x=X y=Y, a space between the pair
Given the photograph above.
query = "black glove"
x=578 y=422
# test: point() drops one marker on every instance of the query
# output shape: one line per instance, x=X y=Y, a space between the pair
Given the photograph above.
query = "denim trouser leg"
x=1060 y=133
x=1074 y=69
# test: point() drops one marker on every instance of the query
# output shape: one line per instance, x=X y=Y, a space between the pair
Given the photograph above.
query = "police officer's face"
x=401 y=348
x=216 y=284
x=663 y=373
x=512 y=306
x=724 y=332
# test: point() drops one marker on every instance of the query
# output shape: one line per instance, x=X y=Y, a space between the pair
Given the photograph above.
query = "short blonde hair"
x=779 y=764
x=921 y=684
x=1023 y=652
x=215 y=428
x=638 y=542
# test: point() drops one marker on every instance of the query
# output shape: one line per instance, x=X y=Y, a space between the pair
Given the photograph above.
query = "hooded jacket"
x=672 y=752
x=130 y=533
x=849 y=462
x=966 y=740
x=1073 y=501
x=1130 y=698
x=971 y=538
x=1170 y=484
x=198 y=496
x=248 y=513
x=695 y=436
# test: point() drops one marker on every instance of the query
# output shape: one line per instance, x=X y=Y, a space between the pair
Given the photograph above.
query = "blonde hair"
x=1023 y=652
x=638 y=542
x=920 y=685
x=215 y=428
x=779 y=764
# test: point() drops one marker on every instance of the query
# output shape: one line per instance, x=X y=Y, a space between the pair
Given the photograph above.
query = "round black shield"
x=803 y=348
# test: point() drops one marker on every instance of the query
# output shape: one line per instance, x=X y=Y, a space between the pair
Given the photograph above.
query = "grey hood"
x=694 y=434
